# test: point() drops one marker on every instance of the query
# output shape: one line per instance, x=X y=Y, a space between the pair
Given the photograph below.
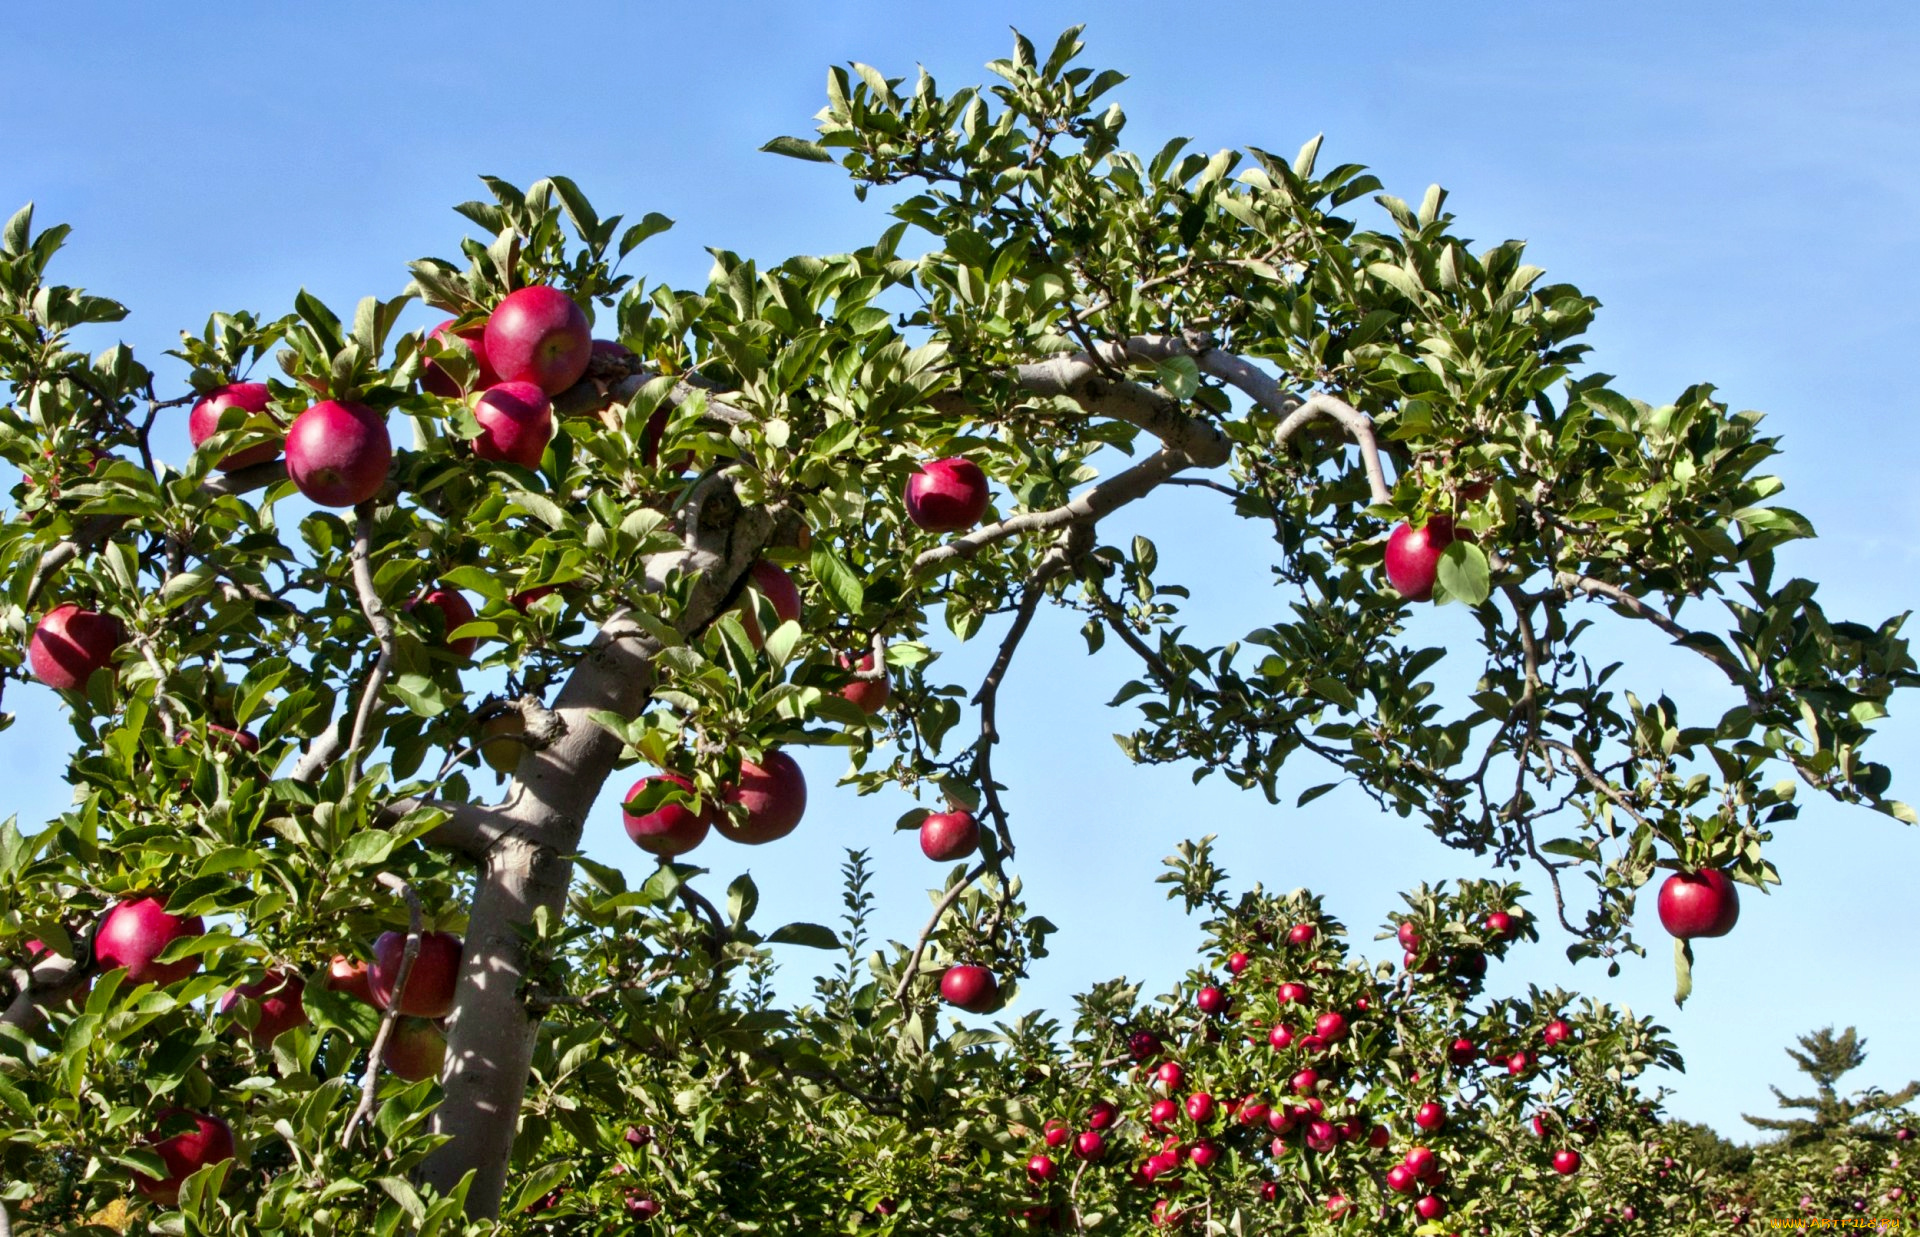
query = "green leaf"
x=812 y=935
x=1682 y=971
x=1464 y=574
x=743 y=898
x=799 y=148
x=838 y=579
x=366 y=849
x=1180 y=375
x=1310 y=794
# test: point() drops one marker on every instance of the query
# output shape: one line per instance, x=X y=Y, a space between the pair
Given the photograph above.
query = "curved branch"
x=940 y=910
x=1574 y=581
x=1358 y=424
x=470 y=830
x=382 y=631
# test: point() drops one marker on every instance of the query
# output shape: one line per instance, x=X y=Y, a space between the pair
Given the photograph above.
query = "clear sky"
x=1736 y=182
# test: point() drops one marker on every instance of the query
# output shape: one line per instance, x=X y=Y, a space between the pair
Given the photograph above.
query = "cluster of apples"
x=535 y=344
x=136 y=930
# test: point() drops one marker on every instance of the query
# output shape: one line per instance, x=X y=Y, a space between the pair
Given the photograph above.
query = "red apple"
x=279 y=995
x=1461 y=1052
x=1305 y=1081
x=1518 y=1062
x=1293 y=994
x=1237 y=962
x=969 y=987
x=771 y=581
x=1320 y=1137
x=1430 y=1116
x=516 y=421
x=1101 y=1114
x=1430 y=1207
x=1199 y=1108
x=640 y=1207
x=1566 y=1163
x=69 y=644
x=1089 y=1145
x=946 y=836
x=133 y=932
x=455 y=613
x=1211 y=1000
x=1056 y=1133
x=430 y=985
x=1203 y=1155
x=1254 y=1111
x=1040 y=1168
x=1699 y=904
x=1338 y=1206
x=1413 y=557
x=1402 y=1180
x=1142 y=1044
x=1409 y=935
x=1420 y=1161
x=1269 y=1192
x=1556 y=1033
x=204 y=421
x=416 y=1049
x=349 y=975
x=1500 y=924
x=775 y=796
x=437 y=381
x=1301 y=934
x=338 y=454
x=525 y=598
x=947 y=495
x=868 y=695
x=221 y=737
x=1330 y=1027
x=1163 y=1113
x=1378 y=1137
x=1281 y=1036
x=209 y=1141
x=539 y=335
x=1170 y=1075
x=670 y=829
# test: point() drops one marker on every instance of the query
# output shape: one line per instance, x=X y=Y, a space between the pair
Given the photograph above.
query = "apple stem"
x=370 y=1084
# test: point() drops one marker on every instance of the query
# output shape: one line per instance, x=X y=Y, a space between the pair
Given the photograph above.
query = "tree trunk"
x=491 y=1034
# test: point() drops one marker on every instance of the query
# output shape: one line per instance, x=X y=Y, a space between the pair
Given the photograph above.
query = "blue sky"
x=1735 y=182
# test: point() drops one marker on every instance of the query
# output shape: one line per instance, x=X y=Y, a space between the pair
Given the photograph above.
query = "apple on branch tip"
x=1413 y=556
x=1699 y=904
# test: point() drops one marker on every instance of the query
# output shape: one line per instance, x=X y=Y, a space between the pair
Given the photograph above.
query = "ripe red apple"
x=69 y=644
x=204 y=421
x=1379 y=1136
x=1281 y=1036
x=349 y=975
x=1041 y=1168
x=1142 y=1044
x=1413 y=557
x=1254 y=1111
x=867 y=695
x=1203 y=1155
x=1170 y=1075
x=1699 y=904
x=209 y=1141
x=1518 y=1062
x=1320 y=1137
x=1293 y=994
x=1420 y=1161
x=1500 y=924
x=1566 y=1162
x=1237 y=962
x=1301 y=934
x=946 y=836
x=1162 y=1113
x=1430 y=1116
x=1281 y=1120
x=221 y=737
x=1210 y=1000
x=524 y=599
x=640 y=1207
x=133 y=932
x=279 y=995
x=947 y=495
x=438 y=381
x=539 y=335
x=1330 y=1027
x=516 y=422
x=775 y=796
x=431 y=983
x=969 y=987
x=1402 y=1180
x=1089 y=1145
x=1461 y=1052
x=338 y=454
x=1101 y=1114
x=670 y=829
x=1430 y=1207
x=416 y=1049
x=455 y=613
x=1305 y=1081
x=1470 y=965
x=1902 y=1135
x=1409 y=935
x=1269 y=1192
x=1199 y=1108
x=1056 y=1133
x=1556 y=1033
x=771 y=581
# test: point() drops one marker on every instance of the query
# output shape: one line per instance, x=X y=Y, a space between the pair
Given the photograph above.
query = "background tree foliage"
x=1053 y=307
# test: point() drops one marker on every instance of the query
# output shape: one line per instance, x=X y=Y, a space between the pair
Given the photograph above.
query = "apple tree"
x=736 y=525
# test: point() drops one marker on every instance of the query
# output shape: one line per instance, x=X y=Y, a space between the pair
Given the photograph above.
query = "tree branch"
x=1574 y=581
x=1357 y=424
x=370 y=1084
x=382 y=631
x=940 y=910
x=470 y=830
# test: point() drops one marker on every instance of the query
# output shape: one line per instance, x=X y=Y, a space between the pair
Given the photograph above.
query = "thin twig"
x=370 y=1084
x=382 y=631
x=940 y=910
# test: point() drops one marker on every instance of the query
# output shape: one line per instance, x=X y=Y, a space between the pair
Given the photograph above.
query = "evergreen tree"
x=1826 y=1059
